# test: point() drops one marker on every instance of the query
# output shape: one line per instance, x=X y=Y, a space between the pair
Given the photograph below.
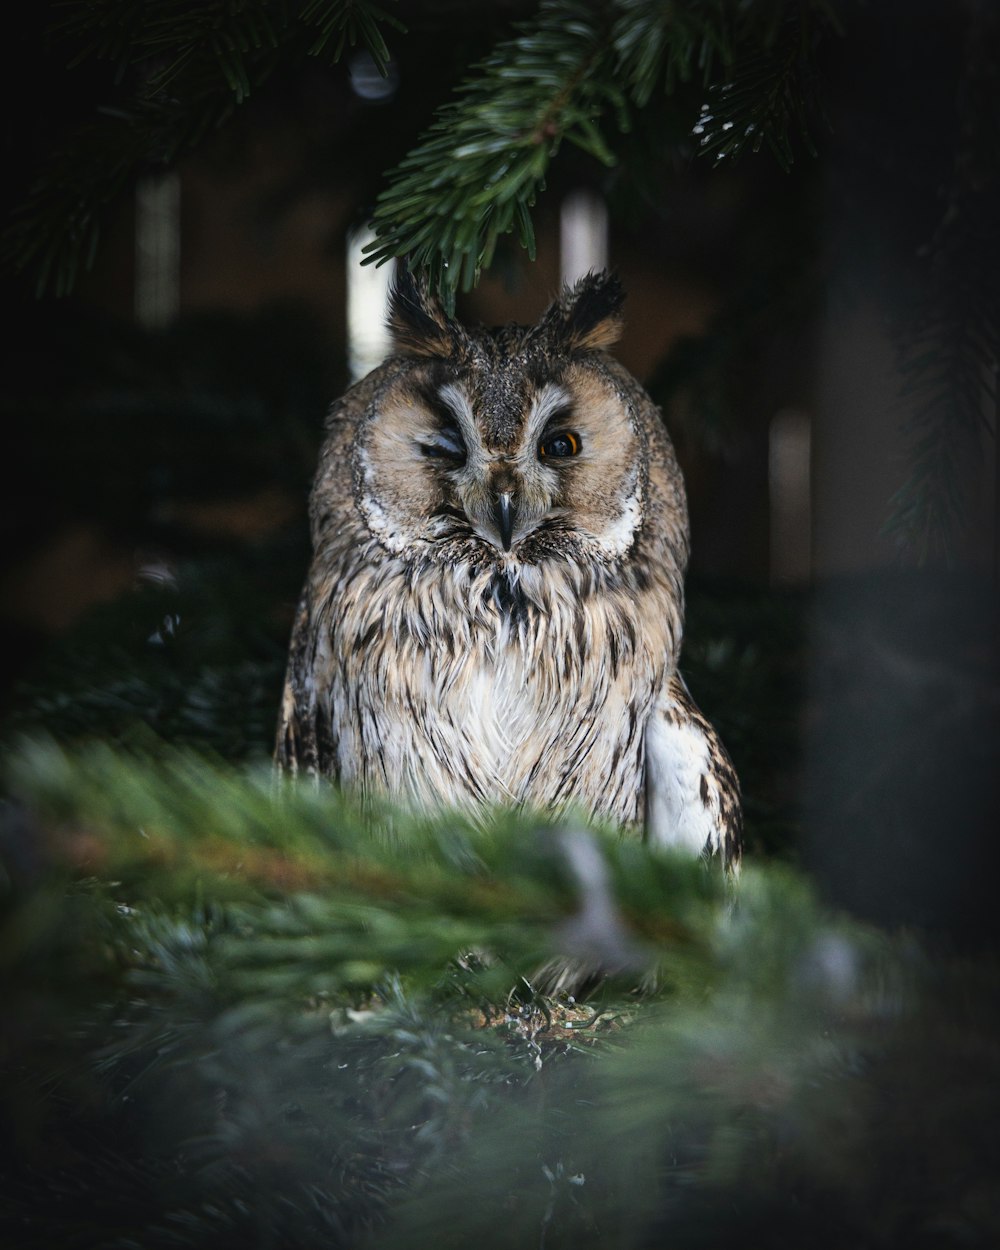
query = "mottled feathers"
x=494 y=608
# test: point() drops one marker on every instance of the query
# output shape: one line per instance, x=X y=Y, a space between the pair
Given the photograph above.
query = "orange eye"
x=556 y=446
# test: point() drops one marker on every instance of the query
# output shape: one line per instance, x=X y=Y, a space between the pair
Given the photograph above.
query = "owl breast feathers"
x=495 y=604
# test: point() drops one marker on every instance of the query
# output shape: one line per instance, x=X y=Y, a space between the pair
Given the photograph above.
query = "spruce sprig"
x=949 y=348
x=477 y=172
x=234 y=37
x=577 y=72
x=215 y=1053
x=661 y=45
x=192 y=66
x=371 y=892
x=481 y=165
x=345 y=24
x=771 y=96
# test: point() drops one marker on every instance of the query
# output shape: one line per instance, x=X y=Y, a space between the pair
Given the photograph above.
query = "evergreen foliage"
x=187 y=68
x=236 y=1014
x=267 y=1024
x=950 y=351
x=585 y=73
x=477 y=172
x=197 y=659
x=484 y=160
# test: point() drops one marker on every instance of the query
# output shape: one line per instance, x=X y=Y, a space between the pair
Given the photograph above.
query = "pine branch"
x=949 y=366
x=772 y=90
x=346 y=23
x=56 y=231
x=169 y=823
x=476 y=174
x=169 y=37
x=194 y=66
x=660 y=44
x=217 y=1054
x=951 y=349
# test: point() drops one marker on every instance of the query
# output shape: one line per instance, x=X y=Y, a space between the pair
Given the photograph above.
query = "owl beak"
x=504 y=514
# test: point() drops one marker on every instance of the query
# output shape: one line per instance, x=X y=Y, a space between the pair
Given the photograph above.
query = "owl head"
x=510 y=446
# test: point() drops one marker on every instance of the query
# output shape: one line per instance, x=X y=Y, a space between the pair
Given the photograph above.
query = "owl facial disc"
x=514 y=446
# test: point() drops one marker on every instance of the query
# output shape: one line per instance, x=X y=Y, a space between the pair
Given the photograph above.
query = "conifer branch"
x=219 y=1051
x=347 y=23
x=410 y=892
x=771 y=95
x=477 y=172
x=194 y=65
x=951 y=348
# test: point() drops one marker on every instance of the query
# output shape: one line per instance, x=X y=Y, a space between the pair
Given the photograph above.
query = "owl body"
x=495 y=603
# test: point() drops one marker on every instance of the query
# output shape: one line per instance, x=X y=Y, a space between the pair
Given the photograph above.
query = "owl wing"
x=692 y=791
x=302 y=744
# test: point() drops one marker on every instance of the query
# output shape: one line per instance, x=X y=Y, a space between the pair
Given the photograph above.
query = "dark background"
x=154 y=480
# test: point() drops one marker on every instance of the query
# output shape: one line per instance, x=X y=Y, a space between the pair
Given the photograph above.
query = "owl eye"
x=445 y=445
x=556 y=446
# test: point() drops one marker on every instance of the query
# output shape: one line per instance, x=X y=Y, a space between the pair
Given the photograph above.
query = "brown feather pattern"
x=428 y=662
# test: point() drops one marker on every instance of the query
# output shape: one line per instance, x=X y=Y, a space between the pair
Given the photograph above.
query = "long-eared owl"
x=495 y=603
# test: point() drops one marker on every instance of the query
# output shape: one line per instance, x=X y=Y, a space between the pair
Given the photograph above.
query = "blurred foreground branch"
x=237 y=1015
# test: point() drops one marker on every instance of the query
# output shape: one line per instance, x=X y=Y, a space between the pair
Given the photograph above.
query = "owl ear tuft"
x=417 y=322
x=588 y=315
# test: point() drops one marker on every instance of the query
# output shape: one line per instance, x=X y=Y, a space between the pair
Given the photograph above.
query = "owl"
x=495 y=604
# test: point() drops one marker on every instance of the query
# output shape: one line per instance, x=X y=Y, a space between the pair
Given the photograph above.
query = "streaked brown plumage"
x=494 y=608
